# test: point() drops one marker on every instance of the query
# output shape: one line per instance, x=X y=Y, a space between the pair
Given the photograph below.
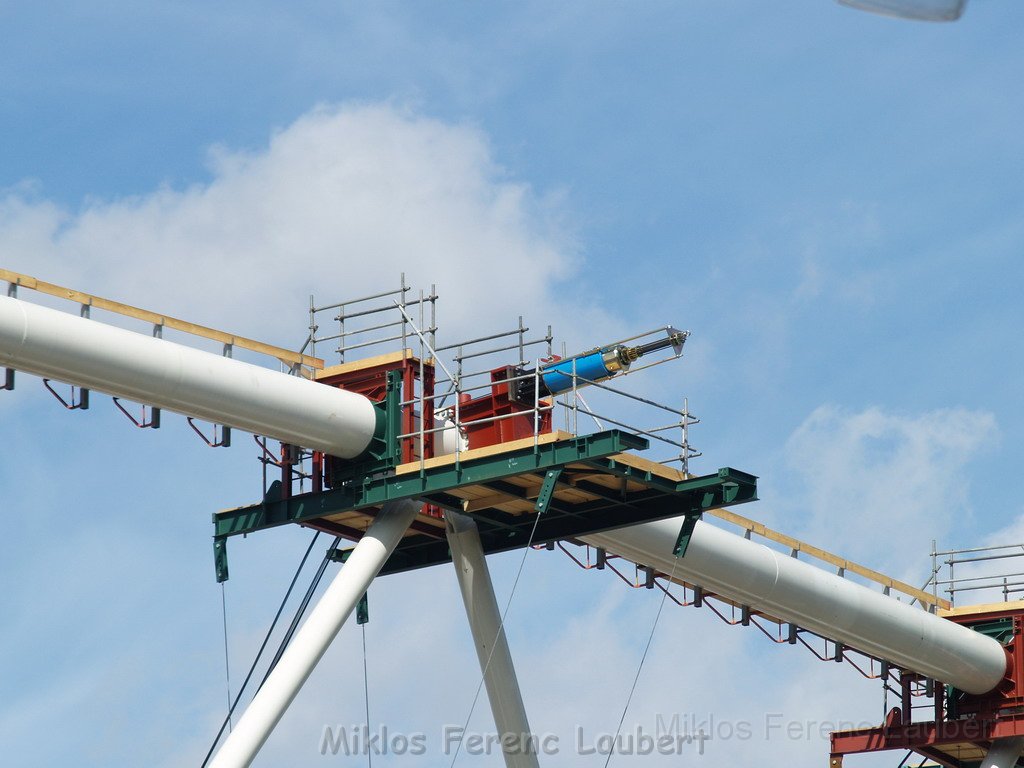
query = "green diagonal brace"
x=363 y=606
x=683 y=540
x=363 y=609
x=220 y=558
x=547 y=490
x=375 y=489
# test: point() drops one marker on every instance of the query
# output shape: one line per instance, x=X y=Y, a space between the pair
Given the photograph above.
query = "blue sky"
x=830 y=200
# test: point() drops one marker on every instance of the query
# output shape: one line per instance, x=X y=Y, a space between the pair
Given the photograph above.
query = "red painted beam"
x=924 y=734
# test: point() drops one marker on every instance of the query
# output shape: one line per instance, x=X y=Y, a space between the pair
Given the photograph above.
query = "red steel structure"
x=961 y=727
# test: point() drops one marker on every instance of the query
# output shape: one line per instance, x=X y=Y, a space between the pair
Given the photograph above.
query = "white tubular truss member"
x=492 y=650
x=1003 y=753
x=754 y=575
x=189 y=381
x=313 y=638
x=79 y=351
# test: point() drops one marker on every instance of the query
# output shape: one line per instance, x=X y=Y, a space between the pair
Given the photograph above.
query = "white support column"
x=313 y=638
x=1003 y=753
x=491 y=644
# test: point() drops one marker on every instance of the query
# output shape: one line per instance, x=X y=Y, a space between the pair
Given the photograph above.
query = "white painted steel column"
x=490 y=641
x=313 y=638
x=1003 y=753
x=177 y=378
x=781 y=586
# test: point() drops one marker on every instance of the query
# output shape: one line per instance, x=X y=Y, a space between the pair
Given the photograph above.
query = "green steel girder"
x=371 y=491
x=385 y=449
x=547 y=490
x=500 y=531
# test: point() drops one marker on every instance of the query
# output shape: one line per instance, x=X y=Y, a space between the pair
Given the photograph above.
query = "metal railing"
x=386 y=320
x=356 y=318
x=980 y=575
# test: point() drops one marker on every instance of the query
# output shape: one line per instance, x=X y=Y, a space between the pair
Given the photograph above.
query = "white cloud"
x=878 y=486
x=337 y=204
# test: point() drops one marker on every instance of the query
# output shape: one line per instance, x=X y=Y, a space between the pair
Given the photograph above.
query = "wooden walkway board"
x=88 y=299
x=516 y=495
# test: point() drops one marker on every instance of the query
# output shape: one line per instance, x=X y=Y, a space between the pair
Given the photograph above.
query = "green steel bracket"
x=363 y=609
x=373 y=490
x=385 y=449
x=363 y=606
x=726 y=487
x=1000 y=630
x=683 y=540
x=220 y=558
x=563 y=463
x=547 y=490
x=384 y=453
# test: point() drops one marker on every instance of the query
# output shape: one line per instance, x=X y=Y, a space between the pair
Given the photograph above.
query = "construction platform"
x=535 y=490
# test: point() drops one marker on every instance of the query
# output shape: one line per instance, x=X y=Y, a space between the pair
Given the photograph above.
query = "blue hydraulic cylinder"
x=595 y=366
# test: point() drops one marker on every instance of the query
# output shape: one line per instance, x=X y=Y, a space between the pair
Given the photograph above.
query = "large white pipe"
x=491 y=644
x=67 y=348
x=313 y=638
x=107 y=359
x=768 y=581
x=1003 y=753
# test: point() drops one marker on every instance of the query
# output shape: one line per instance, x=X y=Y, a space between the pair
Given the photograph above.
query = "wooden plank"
x=478 y=453
x=828 y=557
x=486 y=502
x=646 y=465
x=637 y=462
x=284 y=355
x=971 y=610
x=613 y=483
x=574 y=496
x=370 y=362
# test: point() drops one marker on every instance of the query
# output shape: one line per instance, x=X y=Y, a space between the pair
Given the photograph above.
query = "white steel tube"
x=122 y=363
x=57 y=345
x=1003 y=753
x=313 y=638
x=754 y=575
x=491 y=644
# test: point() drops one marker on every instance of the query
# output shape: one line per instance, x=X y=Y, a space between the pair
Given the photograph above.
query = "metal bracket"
x=225 y=435
x=220 y=558
x=385 y=450
x=683 y=540
x=83 y=397
x=363 y=609
x=154 y=416
x=363 y=606
x=8 y=380
x=547 y=490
